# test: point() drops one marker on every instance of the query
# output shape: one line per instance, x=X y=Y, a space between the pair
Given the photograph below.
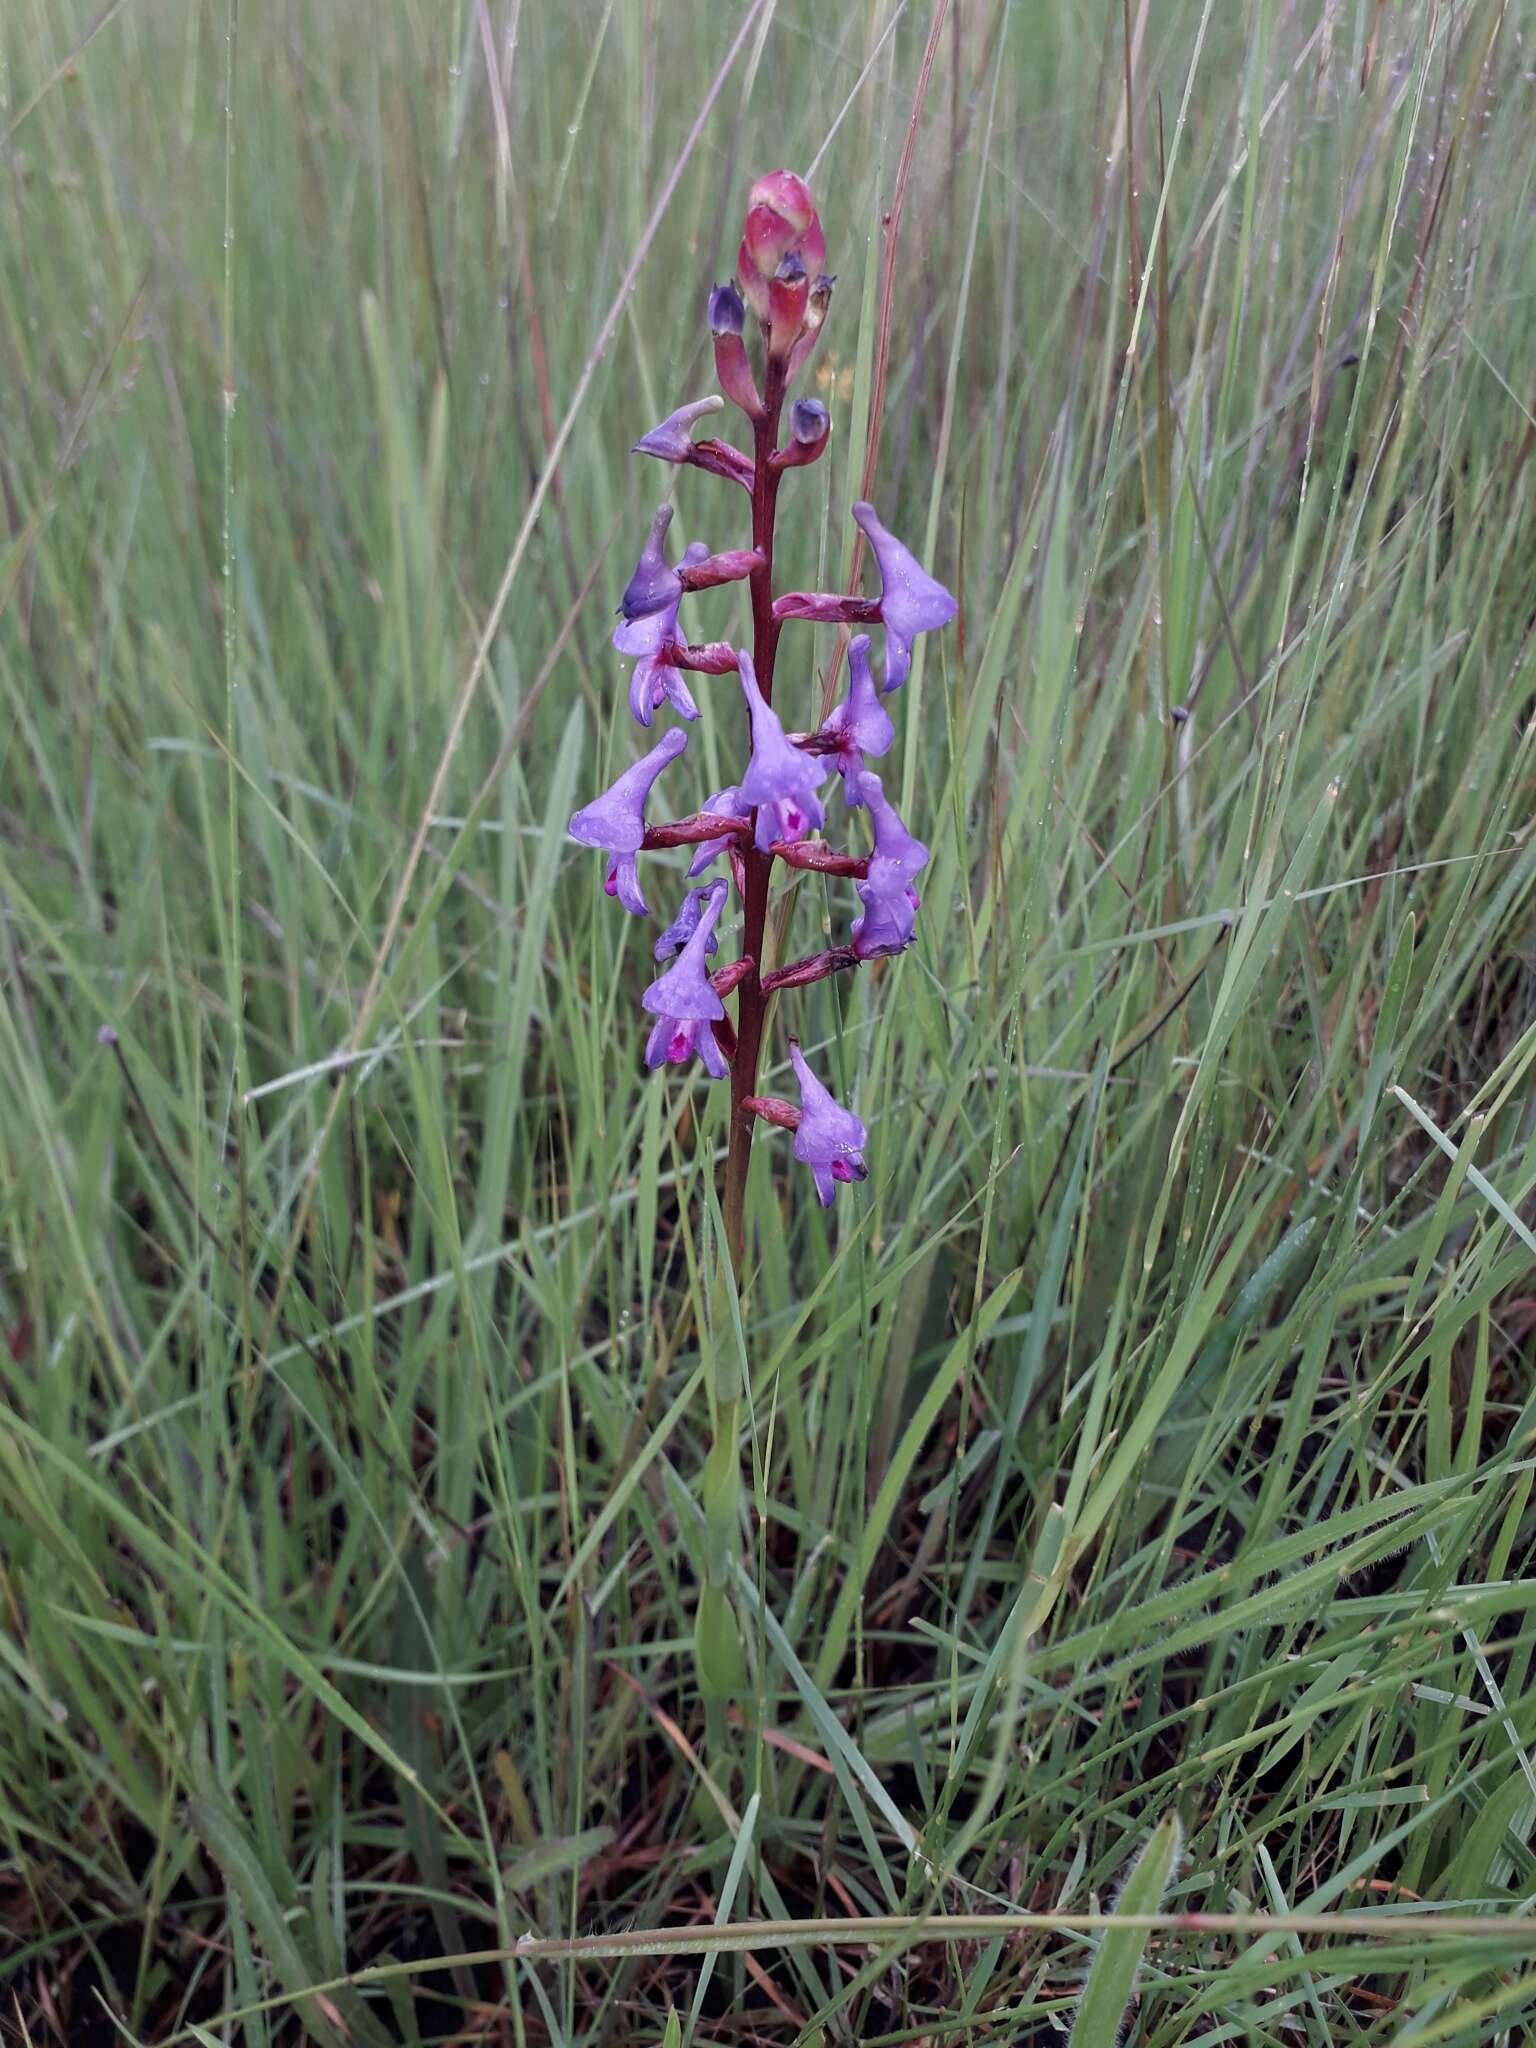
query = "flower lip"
x=672 y=439
x=911 y=601
x=829 y=1139
x=615 y=821
x=674 y=1040
x=654 y=584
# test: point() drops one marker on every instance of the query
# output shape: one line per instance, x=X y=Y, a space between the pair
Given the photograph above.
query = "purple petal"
x=861 y=722
x=654 y=585
x=672 y=441
x=655 y=682
x=890 y=911
x=615 y=820
x=727 y=314
x=830 y=1140
x=623 y=881
x=808 y=421
x=684 y=925
x=780 y=782
x=674 y=1040
x=893 y=842
x=684 y=990
x=911 y=601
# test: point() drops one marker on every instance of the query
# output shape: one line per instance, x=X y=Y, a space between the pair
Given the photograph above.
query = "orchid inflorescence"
x=772 y=812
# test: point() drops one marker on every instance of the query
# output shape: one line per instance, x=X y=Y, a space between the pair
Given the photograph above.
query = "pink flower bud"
x=781 y=222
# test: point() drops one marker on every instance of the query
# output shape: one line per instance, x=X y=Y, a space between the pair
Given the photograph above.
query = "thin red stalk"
x=752 y=1001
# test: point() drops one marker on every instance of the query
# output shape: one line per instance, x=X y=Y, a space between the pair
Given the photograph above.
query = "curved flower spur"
x=781 y=289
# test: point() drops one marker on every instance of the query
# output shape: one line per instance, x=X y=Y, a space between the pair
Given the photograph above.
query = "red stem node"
x=827 y=608
x=728 y=978
x=819 y=859
x=691 y=831
x=732 y=565
x=721 y=459
x=706 y=658
x=773 y=1109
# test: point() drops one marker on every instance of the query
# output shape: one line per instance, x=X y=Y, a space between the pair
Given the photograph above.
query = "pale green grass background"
x=353 y=1422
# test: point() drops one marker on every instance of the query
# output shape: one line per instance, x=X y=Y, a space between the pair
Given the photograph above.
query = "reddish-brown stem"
x=815 y=968
x=752 y=1000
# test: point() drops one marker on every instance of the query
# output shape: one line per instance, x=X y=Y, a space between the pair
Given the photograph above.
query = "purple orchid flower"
x=725 y=803
x=672 y=441
x=615 y=821
x=829 y=1139
x=684 y=925
x=861 y=724
x=911 y=602
x=656 y=682
x=780 y=782
x=654 y=585
x=890 y=902
x=682 y=1000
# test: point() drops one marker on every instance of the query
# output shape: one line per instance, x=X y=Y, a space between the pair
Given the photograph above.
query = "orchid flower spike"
x=780 y=782
x=656 y=681
x=890 y=902
x=673 y=439
x=860 y=724
x=829 y=1139
x=682 y=1000
x=653 y=585
x=911 y=601
x=725 y=803
x=615 y=821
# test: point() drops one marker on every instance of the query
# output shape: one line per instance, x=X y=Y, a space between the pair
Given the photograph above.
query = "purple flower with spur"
x=672 y=441
x=656 y=682
x=725 y=803
x=780 y=782
x=654 y=585
x=890 y=902
x=911 y=602
x=684 y=925
x=829 y=1139
x=861 y=724
x=615 y=821
x=681 y=1000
